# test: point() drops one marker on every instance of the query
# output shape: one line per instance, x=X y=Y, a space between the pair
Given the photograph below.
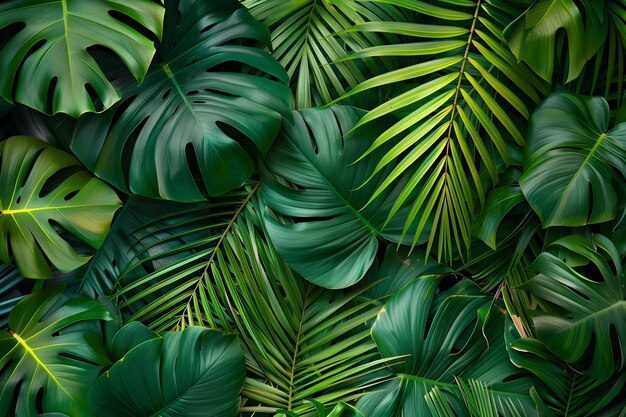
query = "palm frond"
x=470 y=99
x=309 y=36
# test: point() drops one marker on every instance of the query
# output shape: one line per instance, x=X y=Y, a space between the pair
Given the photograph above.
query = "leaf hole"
x=14 y=397
x=312 y=138
x=31 y=165
x=77 y=358
x=133 y=24
x=167 y=94
x=121 y=108
x=191 y=93
x=56 y=179
x=194 y=167
x=39 y=401
x=50 y=96
x=220 y=93
x=70 y=195
x=94 y=97
x=129 y=149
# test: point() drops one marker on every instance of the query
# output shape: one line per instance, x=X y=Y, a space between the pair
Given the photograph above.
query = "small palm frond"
x=308 y=36
x=10 y=295
x=470 y=99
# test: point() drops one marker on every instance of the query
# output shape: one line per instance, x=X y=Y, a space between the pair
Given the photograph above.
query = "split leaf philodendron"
x=312 y=208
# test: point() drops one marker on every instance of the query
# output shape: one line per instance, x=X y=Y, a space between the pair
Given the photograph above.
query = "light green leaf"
x=41 y=188
x=51 y=355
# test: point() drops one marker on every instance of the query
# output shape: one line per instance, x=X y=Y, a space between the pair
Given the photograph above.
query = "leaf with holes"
x=207 y=105
x=441 y=335
x=337 y=237
x=43 y=189
x=50 y=50
x=51 y=355
x=588 y=323
x=573 y=163
x=193 y=373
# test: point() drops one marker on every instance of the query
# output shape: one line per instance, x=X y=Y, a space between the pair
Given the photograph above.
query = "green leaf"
x=446 y=334
x=194 y=373
x=590 y=312
x=573 y=161
x=49 y=52
x=312 y=191
x=208 y=104
x=564 y=392
x=41 y=189
x=51 y=355
x=310 y=37
x=10 y=295
x=531 y=37
x=466 y=99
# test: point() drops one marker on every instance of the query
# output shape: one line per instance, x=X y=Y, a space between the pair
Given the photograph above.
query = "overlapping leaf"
x=49 y=50
x=469 y=97
x=309 y=36
x=313 y=192
x=590 y=315
x=209 y=103
x=442 y=338
x=573 y=162
x=51 y=355
x=197 y=372
x=42 y=187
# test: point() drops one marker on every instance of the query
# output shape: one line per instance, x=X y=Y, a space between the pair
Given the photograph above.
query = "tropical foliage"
x=312 y=208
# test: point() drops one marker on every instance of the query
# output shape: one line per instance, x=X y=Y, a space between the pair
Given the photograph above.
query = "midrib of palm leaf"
x=441 y=142
x=200 y=285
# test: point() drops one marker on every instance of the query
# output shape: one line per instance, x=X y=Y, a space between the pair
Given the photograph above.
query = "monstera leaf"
x=49 y=52
x=572 y=162
x=208 y=103
x=591 y=312
x=532 y=36
x=330 y=237
x=442 y=339
x=41 y=189
x=193 y=373
x=51 y=355
x=563 y=392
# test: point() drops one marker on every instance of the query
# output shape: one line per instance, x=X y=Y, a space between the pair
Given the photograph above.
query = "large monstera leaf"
x=51 y=355
x=49 y=52
x=573 y=162
x=193 y=373
x=42 y=189
x=590 y=315
x=442 y=339
x=208 y=103
x=320 y=225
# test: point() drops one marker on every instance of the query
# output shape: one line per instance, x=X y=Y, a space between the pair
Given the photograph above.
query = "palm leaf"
x=308 y=36
x=469 y=99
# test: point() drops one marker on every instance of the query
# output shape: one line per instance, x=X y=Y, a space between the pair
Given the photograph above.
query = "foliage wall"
x=375 y=208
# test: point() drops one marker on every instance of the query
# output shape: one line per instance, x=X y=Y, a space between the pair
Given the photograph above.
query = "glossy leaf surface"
x=573 y=161
x=208 y=104
x=42 y=187
x=337 y=236
x=50 y=50
x=51 y=355
x=194 y=373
